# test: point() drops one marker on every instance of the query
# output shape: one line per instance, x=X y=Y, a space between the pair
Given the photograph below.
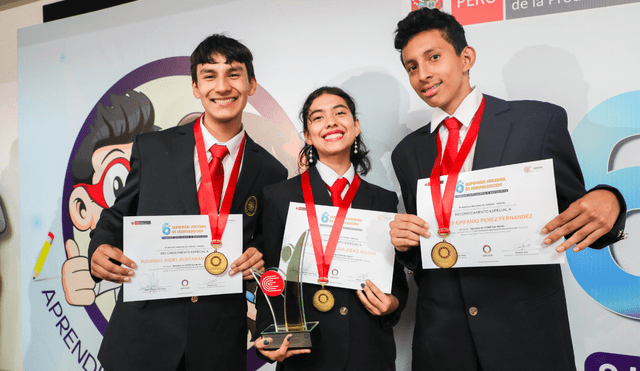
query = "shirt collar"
x=464 y=113
x=329 y=176
x=233 y=144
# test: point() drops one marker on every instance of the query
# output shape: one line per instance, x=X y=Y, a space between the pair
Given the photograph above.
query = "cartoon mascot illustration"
x=99 y=168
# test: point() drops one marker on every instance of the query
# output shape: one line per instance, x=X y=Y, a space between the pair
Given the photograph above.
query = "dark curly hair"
x=360 y=160
x=426 y=19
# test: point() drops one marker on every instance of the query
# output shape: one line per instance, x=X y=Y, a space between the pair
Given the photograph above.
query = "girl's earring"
x=355 y=146
x=310 y=154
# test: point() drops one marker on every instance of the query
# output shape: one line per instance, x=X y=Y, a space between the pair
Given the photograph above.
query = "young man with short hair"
x=490 y=318
x=197 y=333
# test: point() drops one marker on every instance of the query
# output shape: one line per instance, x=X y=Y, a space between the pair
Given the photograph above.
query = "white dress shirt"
x=329 y=176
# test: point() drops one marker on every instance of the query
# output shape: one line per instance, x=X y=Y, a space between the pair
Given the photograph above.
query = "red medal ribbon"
x=443 y=204
x=206 y=198
x=323 y=259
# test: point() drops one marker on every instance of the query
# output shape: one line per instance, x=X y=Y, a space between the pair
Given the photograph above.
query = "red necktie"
x=451 y=150
x=336 y=190
x=217 y=171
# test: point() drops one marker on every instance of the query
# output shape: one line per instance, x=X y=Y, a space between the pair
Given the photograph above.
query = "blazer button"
x=473 y=311
x=344 y=311
x=194 y=299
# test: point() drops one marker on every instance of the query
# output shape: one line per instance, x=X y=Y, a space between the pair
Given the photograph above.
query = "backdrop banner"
x=79 y=74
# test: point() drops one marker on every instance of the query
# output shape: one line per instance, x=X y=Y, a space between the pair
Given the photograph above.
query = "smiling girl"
x=356 y=326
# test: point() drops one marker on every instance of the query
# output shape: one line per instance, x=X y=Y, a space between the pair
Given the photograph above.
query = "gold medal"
x=323 y=300
x=444 y=255
x=215 y=263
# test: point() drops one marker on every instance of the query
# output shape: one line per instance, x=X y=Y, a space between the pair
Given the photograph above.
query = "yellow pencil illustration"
x=43 y=255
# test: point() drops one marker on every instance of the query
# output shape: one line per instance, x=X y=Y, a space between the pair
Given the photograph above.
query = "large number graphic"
x=603 y=140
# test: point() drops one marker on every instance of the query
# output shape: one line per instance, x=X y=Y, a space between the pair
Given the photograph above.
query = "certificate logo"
x=325 y=217
x=486 y=249
x=460 y=186
x=166 y=229
x=334 y=272
x=271 y=283
x=185 y=283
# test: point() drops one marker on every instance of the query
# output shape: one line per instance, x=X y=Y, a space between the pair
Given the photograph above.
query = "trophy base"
x=300 y=340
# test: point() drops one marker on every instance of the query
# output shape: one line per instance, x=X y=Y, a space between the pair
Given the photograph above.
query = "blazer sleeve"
x=109 y=227
x=569 y=180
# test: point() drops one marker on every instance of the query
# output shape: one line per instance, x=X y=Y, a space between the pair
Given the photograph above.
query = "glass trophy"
x=286 y=304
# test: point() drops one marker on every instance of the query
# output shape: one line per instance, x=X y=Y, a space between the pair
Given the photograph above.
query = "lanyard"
x=206 y=198
x=323 y=259
x=443 y=204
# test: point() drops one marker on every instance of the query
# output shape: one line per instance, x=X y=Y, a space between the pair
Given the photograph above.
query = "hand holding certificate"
x=175 y=258
x=496 y=217
x=363 y=250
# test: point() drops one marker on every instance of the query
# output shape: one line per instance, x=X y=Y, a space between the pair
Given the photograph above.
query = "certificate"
x=497 y=216
x=364 y=250
x=170 y=252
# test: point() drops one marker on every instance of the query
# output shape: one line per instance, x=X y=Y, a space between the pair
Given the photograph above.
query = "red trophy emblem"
x=272 y=283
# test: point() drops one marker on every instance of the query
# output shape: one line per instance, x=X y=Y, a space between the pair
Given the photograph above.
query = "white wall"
x=10 y=319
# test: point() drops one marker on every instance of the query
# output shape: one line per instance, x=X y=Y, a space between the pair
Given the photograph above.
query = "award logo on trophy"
x=284 y=297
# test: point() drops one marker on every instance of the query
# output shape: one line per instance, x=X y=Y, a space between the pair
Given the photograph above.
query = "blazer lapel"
x=363 y=198
x=250 y=171
x=426 y=154
x=183 y=148
x=492 y=135
x=321 y=195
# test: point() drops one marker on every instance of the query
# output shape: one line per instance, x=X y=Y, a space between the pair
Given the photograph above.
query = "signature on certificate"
x=523 y=245
x=148 y=284
x=211 y=282
x=307 y=268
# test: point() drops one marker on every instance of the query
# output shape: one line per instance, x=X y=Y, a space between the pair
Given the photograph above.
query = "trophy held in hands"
x=284 y=297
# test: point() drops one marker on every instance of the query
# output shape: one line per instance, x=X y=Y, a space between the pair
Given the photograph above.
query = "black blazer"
x=522 y=320
x=154 y=334
x=356 y=340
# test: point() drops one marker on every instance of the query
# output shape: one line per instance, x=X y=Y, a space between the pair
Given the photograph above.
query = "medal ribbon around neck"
x=323 y=259
x=443 y=204
x=206 y=198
